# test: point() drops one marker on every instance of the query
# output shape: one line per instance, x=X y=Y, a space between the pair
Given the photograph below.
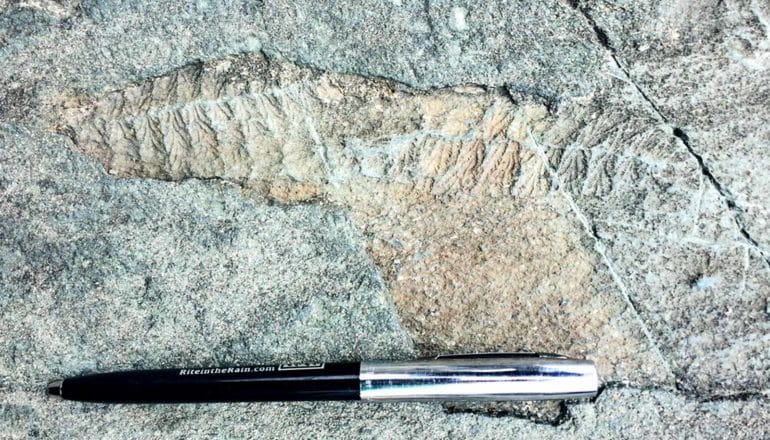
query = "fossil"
x=457 y=212
x=294 y=133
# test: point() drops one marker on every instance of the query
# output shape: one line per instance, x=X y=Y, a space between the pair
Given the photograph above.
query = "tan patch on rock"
x=473 y=274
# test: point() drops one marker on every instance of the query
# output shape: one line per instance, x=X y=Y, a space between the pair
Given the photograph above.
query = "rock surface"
x=244 y=182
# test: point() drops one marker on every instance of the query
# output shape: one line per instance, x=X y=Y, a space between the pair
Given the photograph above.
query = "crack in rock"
x=723 y=191
x=759 y=395
x=553 y=412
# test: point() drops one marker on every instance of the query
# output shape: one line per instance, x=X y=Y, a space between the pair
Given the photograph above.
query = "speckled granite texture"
x=209 y=183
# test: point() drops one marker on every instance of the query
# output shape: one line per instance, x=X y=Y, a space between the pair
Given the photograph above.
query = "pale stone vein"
x=599 y=248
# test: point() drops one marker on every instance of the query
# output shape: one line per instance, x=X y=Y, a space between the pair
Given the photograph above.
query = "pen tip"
x=54 y=388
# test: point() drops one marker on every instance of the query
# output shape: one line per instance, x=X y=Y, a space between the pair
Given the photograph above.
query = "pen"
x=493 y=376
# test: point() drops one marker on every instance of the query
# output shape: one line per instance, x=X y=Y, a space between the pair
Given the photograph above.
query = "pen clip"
x=518 y=354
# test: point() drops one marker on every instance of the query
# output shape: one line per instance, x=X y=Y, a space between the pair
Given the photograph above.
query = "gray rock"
x=668 y=236
x=624 y=220
x=171 y=273
x=706 y=69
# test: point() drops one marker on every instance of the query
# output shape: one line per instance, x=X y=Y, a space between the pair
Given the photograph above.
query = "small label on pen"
x=289 y=367
x=227 y=370
x=252 y=369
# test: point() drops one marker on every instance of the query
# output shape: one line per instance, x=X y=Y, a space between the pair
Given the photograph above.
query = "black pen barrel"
x=330 y=381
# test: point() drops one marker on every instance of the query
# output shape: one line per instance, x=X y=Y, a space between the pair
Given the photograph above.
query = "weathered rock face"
x=705 y=69
x=579 y=177
x=175 y=274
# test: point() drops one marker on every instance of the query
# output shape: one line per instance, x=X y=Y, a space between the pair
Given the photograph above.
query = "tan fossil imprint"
x=456 y=210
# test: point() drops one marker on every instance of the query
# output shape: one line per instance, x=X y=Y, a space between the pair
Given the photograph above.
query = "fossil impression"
x=455 y=209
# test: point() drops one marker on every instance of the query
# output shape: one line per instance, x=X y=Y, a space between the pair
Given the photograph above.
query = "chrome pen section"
x=495 y=377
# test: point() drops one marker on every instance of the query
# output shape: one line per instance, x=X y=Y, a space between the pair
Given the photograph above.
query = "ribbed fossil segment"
x=290 y=131
x=455 y=207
